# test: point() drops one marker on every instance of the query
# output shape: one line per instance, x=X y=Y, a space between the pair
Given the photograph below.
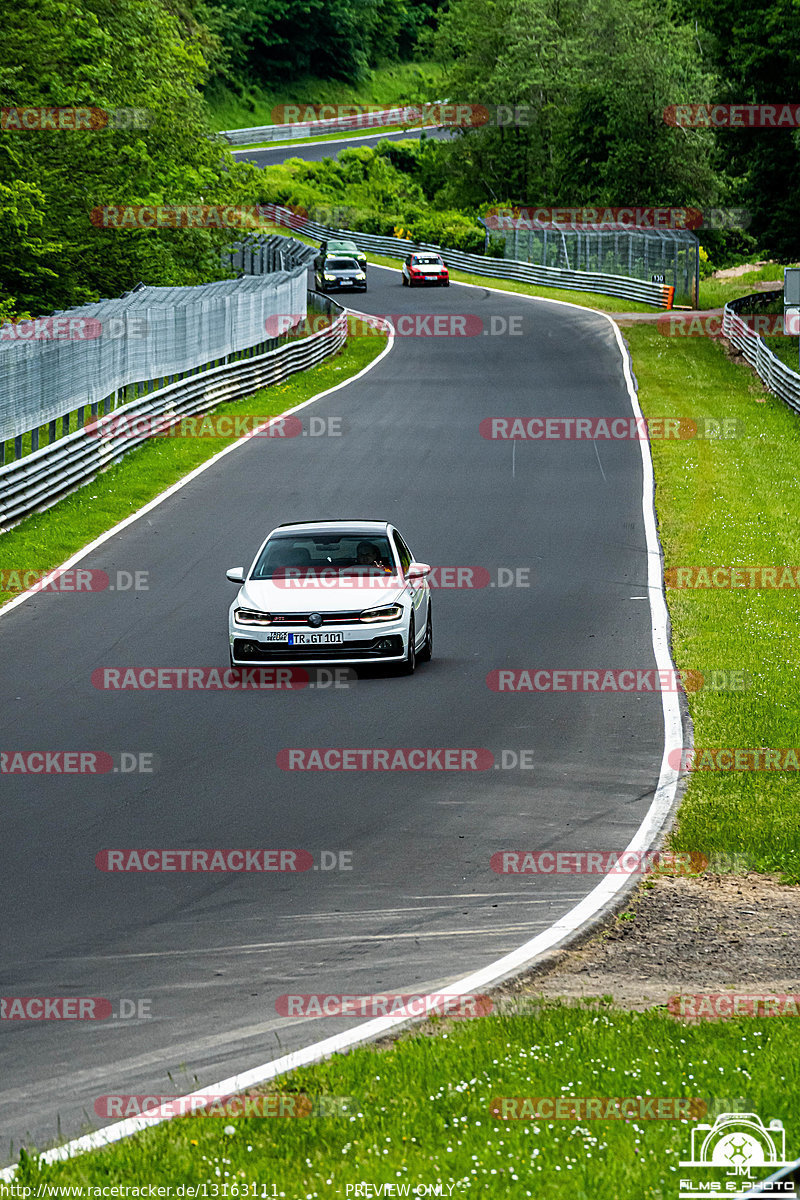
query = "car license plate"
x=315 y=639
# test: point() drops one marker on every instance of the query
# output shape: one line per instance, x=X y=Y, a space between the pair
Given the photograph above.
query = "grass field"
x=396 y=83
x=422 y=1112
x=730 y=502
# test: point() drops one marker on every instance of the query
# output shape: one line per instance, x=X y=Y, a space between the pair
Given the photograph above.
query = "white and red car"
x=332 y=591
x=423 y=266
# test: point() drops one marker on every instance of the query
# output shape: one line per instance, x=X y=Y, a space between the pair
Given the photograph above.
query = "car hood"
x=302 y=596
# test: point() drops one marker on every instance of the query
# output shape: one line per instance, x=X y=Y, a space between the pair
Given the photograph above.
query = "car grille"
x=342 y=618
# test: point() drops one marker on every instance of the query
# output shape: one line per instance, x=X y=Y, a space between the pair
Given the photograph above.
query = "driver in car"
x=368 y=555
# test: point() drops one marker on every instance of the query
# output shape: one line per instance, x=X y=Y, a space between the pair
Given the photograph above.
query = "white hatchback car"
x=343 y=592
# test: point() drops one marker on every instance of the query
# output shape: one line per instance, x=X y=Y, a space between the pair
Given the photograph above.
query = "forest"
x=595 y=79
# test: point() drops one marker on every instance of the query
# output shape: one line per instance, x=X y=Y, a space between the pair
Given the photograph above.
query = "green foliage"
x=593 y=78
x=363 y=189
x=267 y=40
x=127 y=54
x=757 y=49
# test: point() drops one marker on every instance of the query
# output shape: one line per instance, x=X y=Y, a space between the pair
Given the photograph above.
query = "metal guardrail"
x=657 y=294
x=37 y=481
x=776 y=375
x=788 y=1174
x=399 y=115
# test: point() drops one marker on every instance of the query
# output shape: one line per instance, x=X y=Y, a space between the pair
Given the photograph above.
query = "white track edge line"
x=54 y=572
x=566 y=927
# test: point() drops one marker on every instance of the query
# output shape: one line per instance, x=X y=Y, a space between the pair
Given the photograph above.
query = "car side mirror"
x=235 y=574
x=417 y=570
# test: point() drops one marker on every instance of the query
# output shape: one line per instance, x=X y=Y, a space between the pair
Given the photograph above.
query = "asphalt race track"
x=421 y=905
x=314 y=151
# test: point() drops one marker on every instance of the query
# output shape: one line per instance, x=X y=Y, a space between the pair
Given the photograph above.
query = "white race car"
x=343 y=592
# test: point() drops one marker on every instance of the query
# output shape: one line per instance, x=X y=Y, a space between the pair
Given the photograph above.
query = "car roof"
x=358 y=525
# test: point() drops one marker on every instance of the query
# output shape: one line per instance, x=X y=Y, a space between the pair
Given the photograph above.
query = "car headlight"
x=361 y=275
x=249 y=616
x=387 y=612
x=330 y=277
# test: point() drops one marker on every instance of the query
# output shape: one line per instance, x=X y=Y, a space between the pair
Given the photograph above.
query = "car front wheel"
x=409 y=663
x=405 y=281
x=426 y=653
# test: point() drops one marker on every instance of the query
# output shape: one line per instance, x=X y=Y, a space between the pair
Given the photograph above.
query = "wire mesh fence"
x=667 y=256
x=57 y=371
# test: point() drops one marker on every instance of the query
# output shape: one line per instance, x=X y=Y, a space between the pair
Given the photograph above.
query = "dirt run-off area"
x=701 y=934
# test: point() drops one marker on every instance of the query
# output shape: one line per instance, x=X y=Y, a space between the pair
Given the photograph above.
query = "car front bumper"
x=375 y=642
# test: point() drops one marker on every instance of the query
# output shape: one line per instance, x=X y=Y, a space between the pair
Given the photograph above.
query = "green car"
x=340 y=247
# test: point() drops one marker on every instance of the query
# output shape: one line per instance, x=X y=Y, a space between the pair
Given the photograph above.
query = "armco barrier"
x=776 y=375
x=400 y=115
x=45 y=476
x=657 y=294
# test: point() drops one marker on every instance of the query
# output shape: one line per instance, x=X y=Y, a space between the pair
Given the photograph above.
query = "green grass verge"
x=45 y=540
x=421 y=1112
x=394 y=83
x=716 y=292
x=730 y=502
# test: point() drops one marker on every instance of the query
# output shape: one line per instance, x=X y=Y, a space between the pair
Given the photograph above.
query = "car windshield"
x=341 y=264
x=428 y=260
x=342 y=248
x=326 y=555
